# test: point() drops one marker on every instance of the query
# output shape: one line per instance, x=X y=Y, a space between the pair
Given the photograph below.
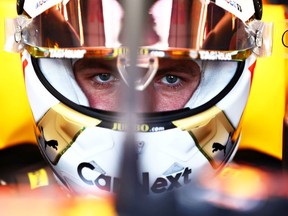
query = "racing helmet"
x=192 y=75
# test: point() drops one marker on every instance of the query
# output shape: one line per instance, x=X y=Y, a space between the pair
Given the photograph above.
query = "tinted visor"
x=94 y=28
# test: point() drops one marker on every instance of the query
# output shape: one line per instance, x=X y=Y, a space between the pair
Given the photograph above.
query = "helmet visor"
x=94 y=28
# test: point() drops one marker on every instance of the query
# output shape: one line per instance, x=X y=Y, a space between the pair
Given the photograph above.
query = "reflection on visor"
x=189 y=28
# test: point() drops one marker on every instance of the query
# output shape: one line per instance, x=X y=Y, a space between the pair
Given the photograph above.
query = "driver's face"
x=171 y=88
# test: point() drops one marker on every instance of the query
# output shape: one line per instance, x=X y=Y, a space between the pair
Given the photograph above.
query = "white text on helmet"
x=39 y=3
x=235 y=5
x=66 y=53
x=215 y=55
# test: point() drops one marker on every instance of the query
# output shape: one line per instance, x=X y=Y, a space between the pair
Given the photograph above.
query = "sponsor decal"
x=50 y=143
x=122 y=127
x=65 y=53
x=243 y=9
x=215 y=55
x=36 y=7
x=159 y=185
x=40 y=3
x=234 y=4
x=117 y=126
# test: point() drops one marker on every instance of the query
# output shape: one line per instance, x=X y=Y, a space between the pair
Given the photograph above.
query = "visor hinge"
x=258 y=39
x=18 y=34
x=263 y=37
x=15 y=33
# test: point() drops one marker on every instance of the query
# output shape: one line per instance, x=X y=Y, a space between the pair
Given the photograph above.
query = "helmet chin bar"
x=149 y=62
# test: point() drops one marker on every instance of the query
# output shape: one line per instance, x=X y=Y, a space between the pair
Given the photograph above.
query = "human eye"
x=104 y=78
x=171 y=80
x=96 y=73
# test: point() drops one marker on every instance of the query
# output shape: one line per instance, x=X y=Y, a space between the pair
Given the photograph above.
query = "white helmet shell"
x=84 y=146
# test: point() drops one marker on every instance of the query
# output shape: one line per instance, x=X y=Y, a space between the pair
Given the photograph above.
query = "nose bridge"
x=145 y=99
x=147 y=67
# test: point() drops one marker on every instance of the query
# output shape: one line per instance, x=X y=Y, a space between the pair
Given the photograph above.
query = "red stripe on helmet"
x=251 y=69
x=24 y=64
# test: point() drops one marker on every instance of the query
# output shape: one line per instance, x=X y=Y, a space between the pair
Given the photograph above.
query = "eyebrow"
x=165 y=65
x=178 y=65
x=90 y=63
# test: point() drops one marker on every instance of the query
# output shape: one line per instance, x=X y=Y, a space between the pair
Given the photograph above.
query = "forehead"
x=112 y=63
